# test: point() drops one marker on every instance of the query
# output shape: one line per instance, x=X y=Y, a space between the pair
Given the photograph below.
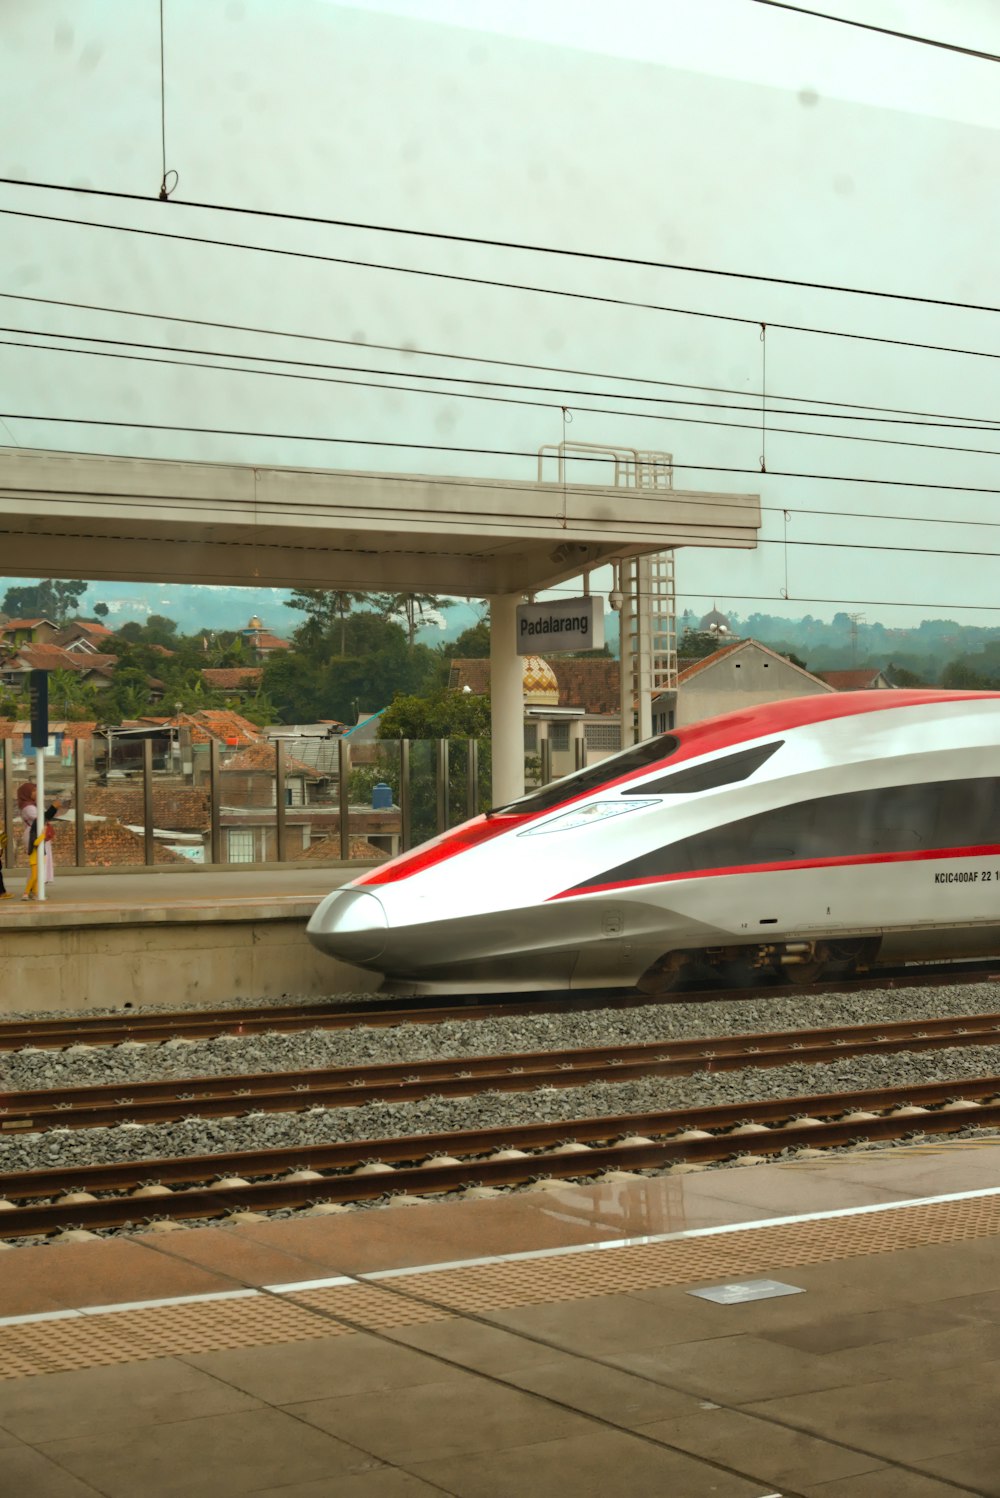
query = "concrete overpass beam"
x=507 y=700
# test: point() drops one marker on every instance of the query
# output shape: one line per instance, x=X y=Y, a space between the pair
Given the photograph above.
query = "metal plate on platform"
x=741 y=1290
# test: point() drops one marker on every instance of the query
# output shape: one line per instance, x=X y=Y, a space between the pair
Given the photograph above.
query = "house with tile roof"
x=28 y=632
x=741 y=674
x=866 y=679
x=235 y=681
x=85 y=634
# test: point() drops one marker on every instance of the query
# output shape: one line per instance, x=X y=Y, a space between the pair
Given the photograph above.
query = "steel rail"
x=187 y=1170
x=207 y=1023
x=430 y=1179
x=212 y=1097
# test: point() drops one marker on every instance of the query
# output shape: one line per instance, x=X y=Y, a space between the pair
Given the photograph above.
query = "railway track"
x=36 y=1203
x=55 y=1034
x=167 y=1101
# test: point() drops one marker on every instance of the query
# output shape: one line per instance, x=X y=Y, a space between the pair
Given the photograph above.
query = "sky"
x=723 y=135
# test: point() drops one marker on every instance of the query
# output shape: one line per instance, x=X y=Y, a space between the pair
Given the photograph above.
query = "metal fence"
x=215 y=809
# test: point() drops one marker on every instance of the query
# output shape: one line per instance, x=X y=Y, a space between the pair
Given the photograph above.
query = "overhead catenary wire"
x=904 y=36
x=984 y=423
x=507 y=400
x=488 y=242
x=460 y=279
x=958 y=425
x=557 y=588
x=830 y=478
x=574 y=489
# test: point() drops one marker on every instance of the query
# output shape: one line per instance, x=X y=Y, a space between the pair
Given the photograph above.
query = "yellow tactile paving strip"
x=163 y=1331
x=267 y=1319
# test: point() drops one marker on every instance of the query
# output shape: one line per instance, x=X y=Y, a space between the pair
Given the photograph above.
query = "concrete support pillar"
x=507 y=699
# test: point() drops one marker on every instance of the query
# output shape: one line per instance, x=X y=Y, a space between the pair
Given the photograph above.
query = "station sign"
x=39 y=698
x=567 y=624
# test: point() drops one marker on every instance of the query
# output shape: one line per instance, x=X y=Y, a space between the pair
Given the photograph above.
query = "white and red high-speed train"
x=808 y=835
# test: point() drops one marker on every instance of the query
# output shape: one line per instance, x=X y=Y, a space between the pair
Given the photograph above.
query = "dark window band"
x=857 y=824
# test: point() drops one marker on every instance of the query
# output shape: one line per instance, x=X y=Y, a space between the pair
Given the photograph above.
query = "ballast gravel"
x=197 y=1136
x=134 y=1061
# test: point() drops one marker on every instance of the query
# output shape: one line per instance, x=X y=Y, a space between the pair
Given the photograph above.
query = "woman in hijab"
x=28 y=812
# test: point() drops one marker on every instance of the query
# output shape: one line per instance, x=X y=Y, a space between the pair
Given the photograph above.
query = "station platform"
x=179 y=937
x=544 y=1342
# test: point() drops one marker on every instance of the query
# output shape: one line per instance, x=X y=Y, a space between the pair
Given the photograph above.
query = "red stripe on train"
x=982 y=850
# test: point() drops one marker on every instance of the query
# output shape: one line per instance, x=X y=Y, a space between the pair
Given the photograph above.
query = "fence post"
x=280 y=848
x=8 y=800
x=546 y=755
x=441 y=786
x=148 y=841
x=581 y=753
x=472 y=778
x=79 y=800
x=405 y=799
x=343 y=790
x=213 y=800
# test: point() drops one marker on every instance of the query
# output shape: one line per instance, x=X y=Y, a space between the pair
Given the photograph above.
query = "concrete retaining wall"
x=175 y=963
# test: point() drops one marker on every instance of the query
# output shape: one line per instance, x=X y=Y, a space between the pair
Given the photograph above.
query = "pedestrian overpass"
x=239 y=524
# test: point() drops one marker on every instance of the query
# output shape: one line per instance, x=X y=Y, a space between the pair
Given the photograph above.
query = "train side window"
x=856 y=824
x=727 y=770
x=636 y=757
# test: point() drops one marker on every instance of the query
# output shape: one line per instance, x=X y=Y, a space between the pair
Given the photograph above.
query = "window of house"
x=558 y=737
x=240 y=844
x=531 y=738
x=604 y=736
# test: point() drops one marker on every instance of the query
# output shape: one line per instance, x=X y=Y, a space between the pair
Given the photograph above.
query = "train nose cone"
x=350 y=924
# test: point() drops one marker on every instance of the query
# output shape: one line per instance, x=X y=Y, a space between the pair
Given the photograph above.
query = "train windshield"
x=582 y=782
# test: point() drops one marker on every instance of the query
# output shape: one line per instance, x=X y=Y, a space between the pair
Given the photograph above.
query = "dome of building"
x=715 y=623
x=254 y=623
x=539 y=681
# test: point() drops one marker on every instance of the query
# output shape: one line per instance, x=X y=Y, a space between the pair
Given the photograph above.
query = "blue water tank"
x=381 y=797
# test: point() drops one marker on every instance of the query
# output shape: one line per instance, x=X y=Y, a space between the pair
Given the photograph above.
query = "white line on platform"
x=684 y=1233
x=374 y=1276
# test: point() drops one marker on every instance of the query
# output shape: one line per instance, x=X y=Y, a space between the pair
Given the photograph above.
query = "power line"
x=576 y=491
x=942 y=424
x=983 y=423
x=507 y=400
x=554 y=291
x=485 y=242
x=765 y=598
x=904 y=36
x=827 y=478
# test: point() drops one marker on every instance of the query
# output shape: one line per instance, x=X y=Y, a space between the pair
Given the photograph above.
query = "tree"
x=441 y=715
x=49 y=599
x=324 y=607
x=411 y=605
x=901 y=677
x=696 y=644
x=101 y=611
x=959 y=677
x=473 y=643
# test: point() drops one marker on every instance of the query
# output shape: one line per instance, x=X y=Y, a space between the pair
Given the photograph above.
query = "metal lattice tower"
x=648 y=618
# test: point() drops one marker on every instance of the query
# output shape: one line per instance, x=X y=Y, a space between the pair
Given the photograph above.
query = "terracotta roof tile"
x=262 y=757
x=591 y=684
x=851 y=681
x=227 y=677
x=325 y=848
x=175 y=808
x=106 y=845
